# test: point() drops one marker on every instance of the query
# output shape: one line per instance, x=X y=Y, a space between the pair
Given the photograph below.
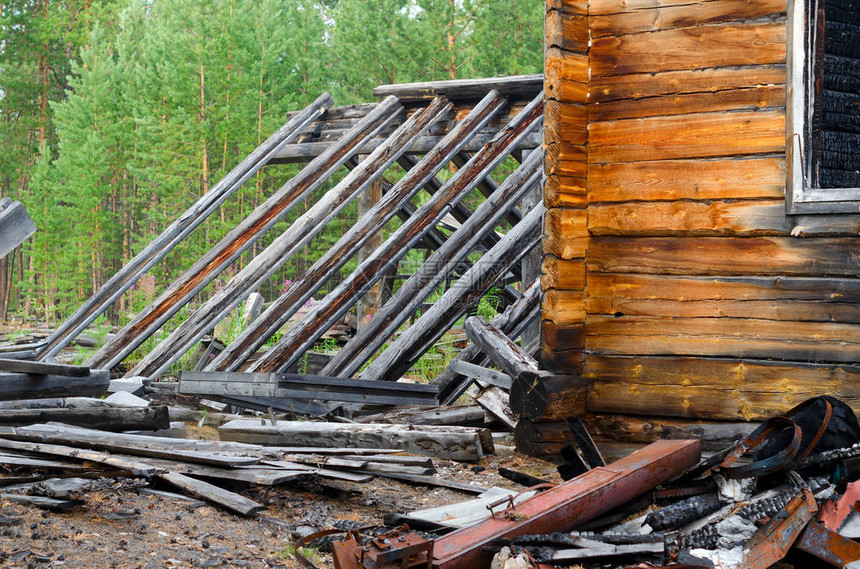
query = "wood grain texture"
x=566 y=75
x=565 y=123
x=730 y=337
x=769 y=298
x=566 y=30
x=689 y=48
x=564 y=191
x=687 y=81
x=668 y=15
x=568 y=6
x=565 y=233
x=839 y=256
x=696 y=135
x=562 y=273
x=735 y=218
x=714 y=435
x=747 y=98
x=686 y=179
x=713 y=388
x=564 y=307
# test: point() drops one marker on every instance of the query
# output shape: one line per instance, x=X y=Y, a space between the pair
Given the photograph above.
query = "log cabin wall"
x=674 y=280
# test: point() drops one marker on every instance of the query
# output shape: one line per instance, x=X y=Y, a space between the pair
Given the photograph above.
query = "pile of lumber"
x=38 y=452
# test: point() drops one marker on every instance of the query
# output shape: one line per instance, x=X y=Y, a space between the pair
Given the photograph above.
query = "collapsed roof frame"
x=422 y=141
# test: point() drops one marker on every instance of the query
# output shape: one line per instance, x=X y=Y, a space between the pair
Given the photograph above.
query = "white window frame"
x=801 y=196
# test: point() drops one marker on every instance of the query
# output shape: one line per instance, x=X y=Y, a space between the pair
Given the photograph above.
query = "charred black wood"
x=307 y=387
x=573 y=464
x=440 y=264
x=176 y=232
x=28 y=386
x=683 y=512
x=106 y=418
x=841 y=73
x=414 y=342
x=521 y=478
x=296 y=235
x=280 y=310
x=300 y=337
x=589 y=450
x=840 y=38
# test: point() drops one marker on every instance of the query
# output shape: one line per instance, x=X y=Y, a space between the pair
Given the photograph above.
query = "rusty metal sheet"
x=773 y=540
x=834 y=513
x=570 y=503
x=828 y=545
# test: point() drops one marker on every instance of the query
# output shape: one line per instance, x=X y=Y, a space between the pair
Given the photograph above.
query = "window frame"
x=801 y=196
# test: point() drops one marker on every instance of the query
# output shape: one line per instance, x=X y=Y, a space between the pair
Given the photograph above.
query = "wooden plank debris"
x=296 y=386
x=179 y=229
x=28 y=386
x=137 y=468
x=523 y=85
x=206 y=491
x=281 y=309
x=454 y=443
x=42 y=368
x=105 y=418
x=15 y=225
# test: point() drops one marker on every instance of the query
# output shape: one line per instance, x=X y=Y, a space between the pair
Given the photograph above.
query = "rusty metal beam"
x=571 y=503
x=773 y=540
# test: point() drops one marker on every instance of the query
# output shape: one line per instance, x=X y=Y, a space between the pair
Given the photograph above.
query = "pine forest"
x=116 y=115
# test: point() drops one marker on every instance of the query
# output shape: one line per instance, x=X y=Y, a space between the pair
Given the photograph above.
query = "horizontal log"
x=565 y=160
x=718 y=78
x=453 y=443
x=748 y=98
x=626 y=19
x=731 y=178
x=562 y=274
x=564 y=191
x=564 y=307
x=27 y=386
x=690 y=48
x=769 y=298
x=603 y=7
x=296 y=386
x=730 y=337
x=566 y=30
x=688 y=218
x=525 y=86
x=547 y=397
x=42 y=368
x=106 y=418
x=135 y=467
x=471 y=415
x=698 y=135
x=712 y=388
x=714 y=435
x=565 y=233
x=725 y=256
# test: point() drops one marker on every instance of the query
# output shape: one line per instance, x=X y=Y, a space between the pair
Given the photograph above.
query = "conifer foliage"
x=115 y=115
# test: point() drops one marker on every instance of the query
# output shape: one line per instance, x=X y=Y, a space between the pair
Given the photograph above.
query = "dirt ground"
x=119 y=526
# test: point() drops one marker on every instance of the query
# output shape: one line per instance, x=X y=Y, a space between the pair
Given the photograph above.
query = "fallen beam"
x=26 y=386
x=571 y=503
x=453 y=443
x=15 y=225
x=42 y=368
x=230 y=500
x=105 y=418
x=296 y=386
